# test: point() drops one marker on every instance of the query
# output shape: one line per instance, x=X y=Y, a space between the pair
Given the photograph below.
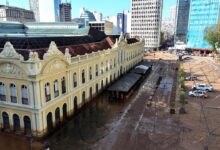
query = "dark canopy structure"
x=125 y=83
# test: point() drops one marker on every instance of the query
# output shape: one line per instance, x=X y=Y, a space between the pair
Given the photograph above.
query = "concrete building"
x=168 y=24
x=87 y=16
x=203 y=13
x=65 y=12
x=182 y=18
x=98 y=16
x=103 y=26
x=127 y=22
x=113 y=19
x=40 y=86
x=146 y=21
x=45 y=10
x=15 y=14
x=121 y=22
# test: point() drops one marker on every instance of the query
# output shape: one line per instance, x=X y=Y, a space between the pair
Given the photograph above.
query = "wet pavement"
x=130 y=124
x=89 y=126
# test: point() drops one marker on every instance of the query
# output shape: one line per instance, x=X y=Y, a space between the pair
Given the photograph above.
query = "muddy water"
x=89 y=126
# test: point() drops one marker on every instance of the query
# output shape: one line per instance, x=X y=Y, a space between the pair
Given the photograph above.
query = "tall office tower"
x=146 y=21
x=98 y=16
x=182 y=18
x=87 y=16
x=45 y=10
x=168 y=24
x=120 y=22
x=57 y=9
x=127 y=22
x=203 y=13
x=65 y=12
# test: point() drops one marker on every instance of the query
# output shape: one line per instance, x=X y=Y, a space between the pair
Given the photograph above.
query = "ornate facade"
x=38 y=93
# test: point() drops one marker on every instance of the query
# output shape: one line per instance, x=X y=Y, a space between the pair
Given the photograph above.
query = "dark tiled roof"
x=78 y=45
x=74 y=50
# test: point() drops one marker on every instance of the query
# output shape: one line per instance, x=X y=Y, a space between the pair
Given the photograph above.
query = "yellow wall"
x=36 y=73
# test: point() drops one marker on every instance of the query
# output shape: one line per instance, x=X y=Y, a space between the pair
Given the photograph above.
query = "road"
x=146 y=128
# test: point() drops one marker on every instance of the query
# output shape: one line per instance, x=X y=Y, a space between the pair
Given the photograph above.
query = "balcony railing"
x=48 y=98
x=2 y=98
x=56 y=93
x=75 y=84
x=63 y=89
x=25 y=101
x=14 y=99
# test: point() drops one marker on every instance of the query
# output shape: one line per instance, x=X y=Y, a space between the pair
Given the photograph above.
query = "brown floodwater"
x=90 y=125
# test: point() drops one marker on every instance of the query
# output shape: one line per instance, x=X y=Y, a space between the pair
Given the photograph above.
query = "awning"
x=125 y=83
x=141 y=69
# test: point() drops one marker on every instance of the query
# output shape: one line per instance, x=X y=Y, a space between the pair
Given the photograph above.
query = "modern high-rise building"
x=65 y=12
x=120 y=22
x=57 y=9
x=168 y=24
x=9 y=13
x=127 y=22
x=146 y=21
x=98 y=16
x=182 y=19
x=87 y=16
x=203 y=13
x=45 y=10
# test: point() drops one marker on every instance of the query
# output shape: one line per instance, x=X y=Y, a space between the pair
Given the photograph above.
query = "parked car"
x=186 y=58
x=198 y=93
x=204 y=87
x=191 y=77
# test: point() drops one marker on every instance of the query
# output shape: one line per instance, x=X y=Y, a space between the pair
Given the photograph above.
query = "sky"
x=107 y=7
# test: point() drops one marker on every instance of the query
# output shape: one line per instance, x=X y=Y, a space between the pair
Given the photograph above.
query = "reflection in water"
x=89 y=126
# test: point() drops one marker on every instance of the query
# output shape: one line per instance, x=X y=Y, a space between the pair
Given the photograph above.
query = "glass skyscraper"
x=182 y=18
x=57 y=9
x=203 y=13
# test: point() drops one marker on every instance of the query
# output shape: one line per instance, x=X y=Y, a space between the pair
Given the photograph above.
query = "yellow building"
x=42 y=90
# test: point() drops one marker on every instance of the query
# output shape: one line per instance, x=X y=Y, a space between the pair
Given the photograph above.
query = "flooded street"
x=142 y=122
x=126 y=125
x=89 y=126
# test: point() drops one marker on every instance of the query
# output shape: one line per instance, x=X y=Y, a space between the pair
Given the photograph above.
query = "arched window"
x=106 y=68
x=114 y=62
x=25 y=95
x=83 y=76
x=63 y=85
x=16 y=122
x=13 y=92
x=5 y=117
x=83 y=97
x=75 y=104
x=102 y=71
x=27 y=125
x=65 y=112
x=47 y=92
x=111 y=64
x=2 y=92
x=90 y=73
x=74 y=80
x=96 y=70
x=56 y=88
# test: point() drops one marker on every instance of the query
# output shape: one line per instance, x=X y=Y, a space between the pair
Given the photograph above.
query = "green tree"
x=212 y=36
x=182 y=101
x=181 y=81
